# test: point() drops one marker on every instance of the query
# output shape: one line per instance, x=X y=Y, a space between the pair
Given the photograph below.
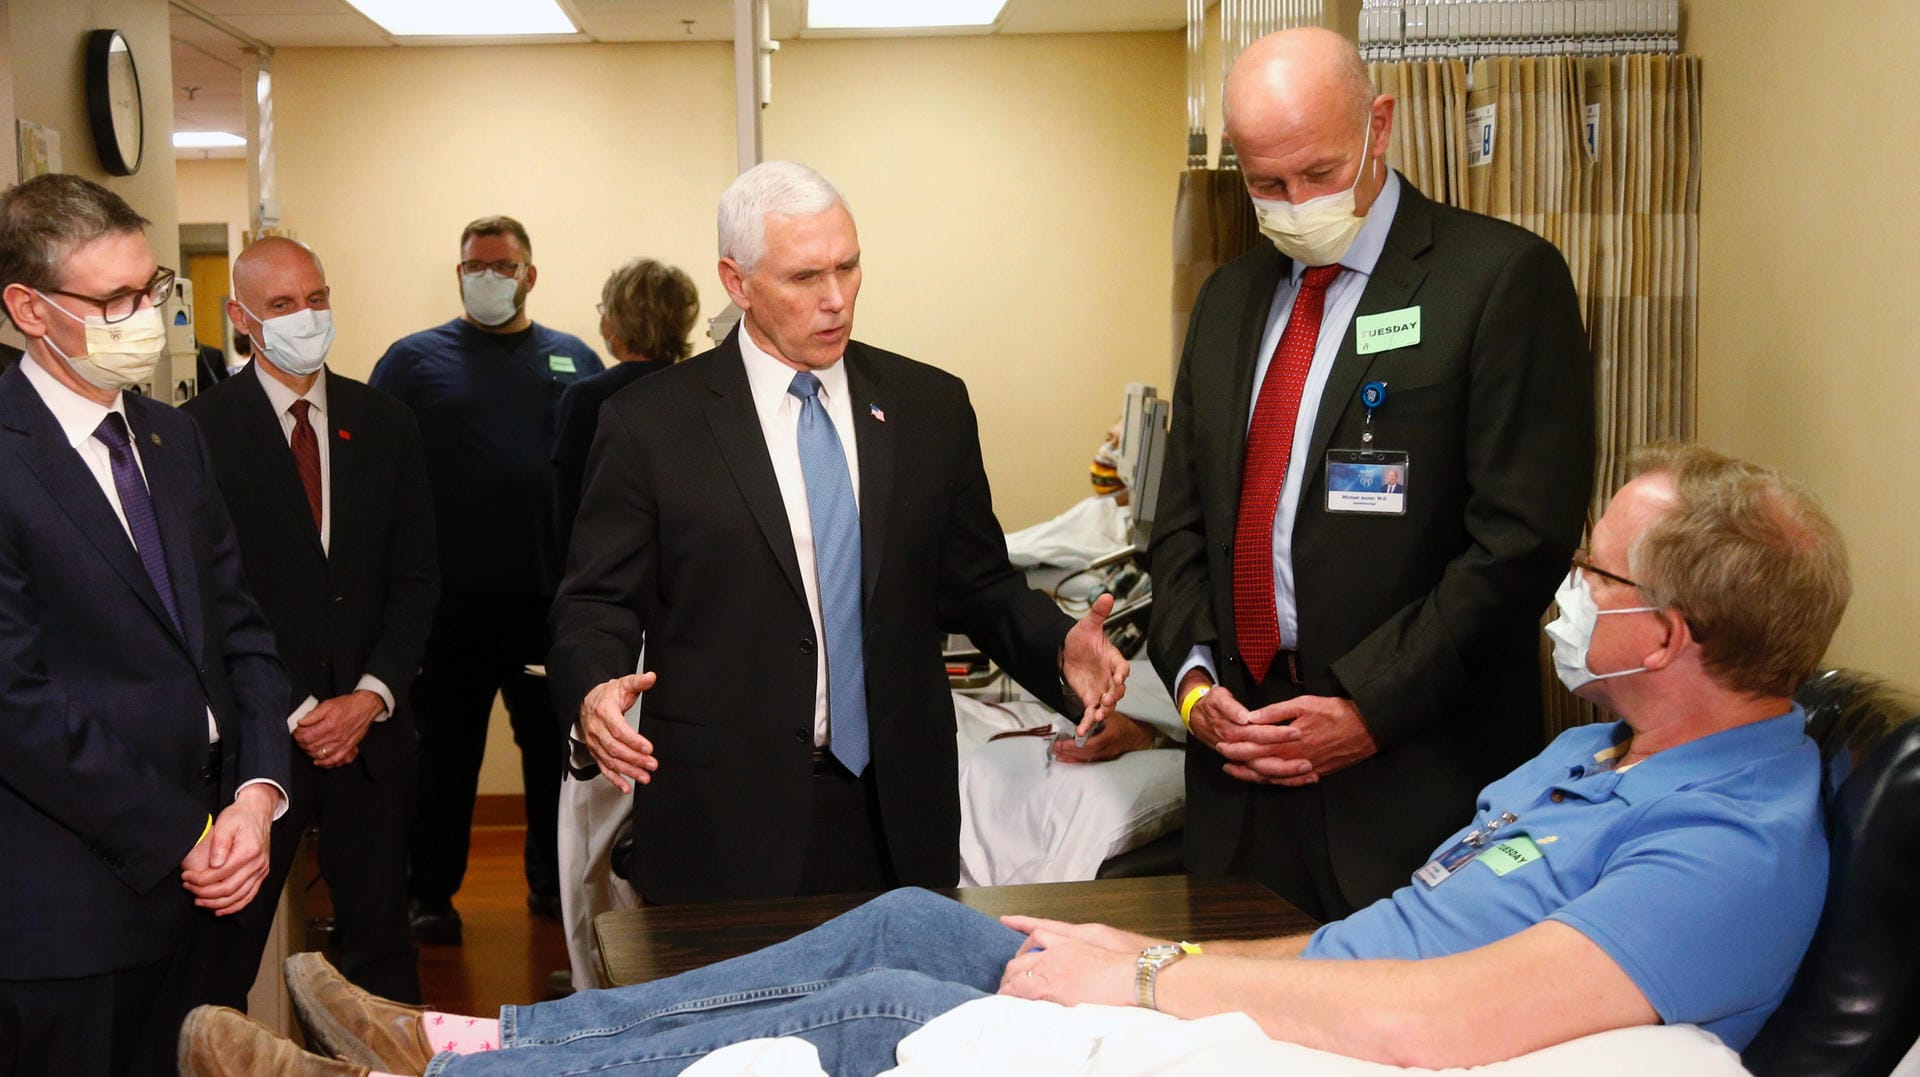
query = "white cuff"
x=1201 y=657
x=277 y=787
x=371 y=683
x=305 y=708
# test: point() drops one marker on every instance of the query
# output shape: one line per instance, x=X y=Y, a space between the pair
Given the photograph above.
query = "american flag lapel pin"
x=874 y=410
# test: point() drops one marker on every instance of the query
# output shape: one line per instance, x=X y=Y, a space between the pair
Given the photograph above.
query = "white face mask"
x=489 y=297
x=1572 y=633
x=118 y=355
x=296 y=343
x=1316 y=232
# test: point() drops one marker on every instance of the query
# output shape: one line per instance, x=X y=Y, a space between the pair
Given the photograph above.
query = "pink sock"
x=460 y=1034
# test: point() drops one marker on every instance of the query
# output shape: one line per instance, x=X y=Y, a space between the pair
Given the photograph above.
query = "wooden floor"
x=508 y=952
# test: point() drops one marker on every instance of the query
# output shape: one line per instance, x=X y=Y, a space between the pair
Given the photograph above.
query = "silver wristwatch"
x=1146 y=970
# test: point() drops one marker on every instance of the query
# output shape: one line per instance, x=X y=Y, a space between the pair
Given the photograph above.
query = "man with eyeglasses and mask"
x=485 y=388
x=143 y=739
x=1350 y=662
x=328 y=488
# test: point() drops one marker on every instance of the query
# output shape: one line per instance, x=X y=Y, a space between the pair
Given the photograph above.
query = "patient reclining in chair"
x=1667 y=867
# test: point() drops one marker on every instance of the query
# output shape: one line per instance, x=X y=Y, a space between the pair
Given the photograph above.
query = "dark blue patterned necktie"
x=138 y=506
x=836 y=562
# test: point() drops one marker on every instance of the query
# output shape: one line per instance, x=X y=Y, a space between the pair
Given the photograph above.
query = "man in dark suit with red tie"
x=790 y=523
x=1349 y=664
x=143 y=740
x=328 y=485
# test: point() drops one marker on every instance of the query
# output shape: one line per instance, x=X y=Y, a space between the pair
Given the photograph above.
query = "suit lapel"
x=343 y=461
x=70 y=485
x=165 y=463
x=874 y=444
x=743 y=445
x=1246 y=352
x=1396 y=277
x=265 y=437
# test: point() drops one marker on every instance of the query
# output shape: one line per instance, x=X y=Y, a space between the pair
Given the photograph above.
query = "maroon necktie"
x=306 y=454
x=1269 y=446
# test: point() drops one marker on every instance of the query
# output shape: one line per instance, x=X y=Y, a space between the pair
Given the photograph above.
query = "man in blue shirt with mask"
x=1667 y=867
x=485 y=387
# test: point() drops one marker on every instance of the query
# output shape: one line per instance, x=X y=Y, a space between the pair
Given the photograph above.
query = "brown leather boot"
x=350 y=1024
x=218 y=1042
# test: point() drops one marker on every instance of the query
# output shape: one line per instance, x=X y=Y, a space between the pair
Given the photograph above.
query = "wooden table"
x=646 y=944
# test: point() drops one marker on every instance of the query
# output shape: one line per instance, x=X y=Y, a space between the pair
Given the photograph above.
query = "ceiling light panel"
x=895 y=15
x=205 y=140
x=466 y=18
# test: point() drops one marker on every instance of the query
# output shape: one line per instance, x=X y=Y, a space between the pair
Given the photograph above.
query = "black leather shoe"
x=431 y=925
x=547 y=905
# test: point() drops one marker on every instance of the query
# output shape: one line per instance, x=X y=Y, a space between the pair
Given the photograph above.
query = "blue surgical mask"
x=296 y=343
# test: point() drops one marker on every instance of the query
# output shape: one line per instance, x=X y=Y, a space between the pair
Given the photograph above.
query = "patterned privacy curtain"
x=1600 y=155
x=1212 y=220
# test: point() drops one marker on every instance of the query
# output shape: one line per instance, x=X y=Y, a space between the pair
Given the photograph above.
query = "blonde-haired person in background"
x=647 y=310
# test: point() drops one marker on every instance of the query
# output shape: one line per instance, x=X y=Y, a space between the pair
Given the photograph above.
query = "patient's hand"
x=1119 y=736
x=1072 y=963
x=623 y=754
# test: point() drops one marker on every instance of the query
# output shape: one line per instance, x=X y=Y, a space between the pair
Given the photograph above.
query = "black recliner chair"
x=1854 y=1008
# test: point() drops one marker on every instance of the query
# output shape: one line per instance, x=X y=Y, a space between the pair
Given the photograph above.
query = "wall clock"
x=113 y=102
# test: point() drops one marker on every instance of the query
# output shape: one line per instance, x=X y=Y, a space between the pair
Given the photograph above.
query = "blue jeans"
x=854 y=987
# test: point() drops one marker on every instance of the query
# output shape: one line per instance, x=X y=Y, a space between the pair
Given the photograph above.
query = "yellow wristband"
x=1188 y=701
x=1190 y=947
x=204 y=831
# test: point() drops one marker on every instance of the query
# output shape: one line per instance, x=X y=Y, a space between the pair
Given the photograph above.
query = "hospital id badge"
x=1367 y=481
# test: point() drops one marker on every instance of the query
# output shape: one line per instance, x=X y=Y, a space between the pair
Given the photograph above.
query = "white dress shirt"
x=282 y=398
x=779 y=413
x=79 y=417
x=1343 y=298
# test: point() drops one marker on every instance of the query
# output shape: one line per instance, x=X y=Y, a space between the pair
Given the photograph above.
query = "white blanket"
x=1015 y=1037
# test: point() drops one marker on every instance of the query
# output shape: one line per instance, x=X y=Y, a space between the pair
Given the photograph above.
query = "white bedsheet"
x=1025 y=818
x=1015 y=1037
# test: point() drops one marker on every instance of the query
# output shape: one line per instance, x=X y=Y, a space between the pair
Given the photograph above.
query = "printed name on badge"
x=1386 y=332
x=560 y=364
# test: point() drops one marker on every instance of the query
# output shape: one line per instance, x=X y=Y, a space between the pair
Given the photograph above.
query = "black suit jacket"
x=682 y=539
x=103 y=702
x=366 y=607
x=1428 y=621
x=574 y=426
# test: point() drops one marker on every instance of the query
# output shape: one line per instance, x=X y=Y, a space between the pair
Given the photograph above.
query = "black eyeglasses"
x=505 y=267
x=123 y=304
x=1581 y=562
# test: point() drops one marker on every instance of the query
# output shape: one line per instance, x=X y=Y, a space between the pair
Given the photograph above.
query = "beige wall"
x=1808 y=281
x=47 y=57
x=1013 y=195
x=214 y=191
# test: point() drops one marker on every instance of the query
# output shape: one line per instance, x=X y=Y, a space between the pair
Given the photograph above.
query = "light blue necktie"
x=836 y=562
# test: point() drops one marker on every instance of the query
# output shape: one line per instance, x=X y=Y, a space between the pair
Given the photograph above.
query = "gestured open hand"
x=624 y=755
x=1094 y=669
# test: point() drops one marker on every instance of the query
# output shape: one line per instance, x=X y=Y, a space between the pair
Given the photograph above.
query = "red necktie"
x=306 y=455
x=1269 y=446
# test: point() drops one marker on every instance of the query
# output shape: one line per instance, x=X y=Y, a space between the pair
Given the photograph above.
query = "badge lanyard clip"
x=1372 y=395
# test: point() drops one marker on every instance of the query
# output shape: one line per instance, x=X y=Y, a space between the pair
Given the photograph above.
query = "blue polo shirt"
x=1700 y=870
